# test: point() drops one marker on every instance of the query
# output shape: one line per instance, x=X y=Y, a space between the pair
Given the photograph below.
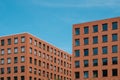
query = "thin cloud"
x=78 y=3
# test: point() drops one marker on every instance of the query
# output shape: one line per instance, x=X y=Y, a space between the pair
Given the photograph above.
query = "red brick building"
x=26 y=57
x=96 y=50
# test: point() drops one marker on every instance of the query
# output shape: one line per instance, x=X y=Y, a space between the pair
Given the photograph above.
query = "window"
x=15 y=40
x=77 y=42
x=23 y=39
x=15 y=69
x=35 y=52
x=114 y=25
x=104 y=73
x=104 y=27
x=2 y=60
x=86 y=75
x=104 y=61
x=86 y=41
x=95 y=39
x=35 y=61
x=86 y=64
x=77 y=53
x=86 y=52
x=9 y=41
x=8 y=78
x=22 y=78
x=2 y=70
x=35 y=42
x=2 y=52
x=30 y=60
x=30 y=40
x=9 y=50
x=22 y=58
x=104 y=38
x=30 y=50
x=35 y=70
x=114 y=37
x=95 y=73
x=114 y=49
x=105 y=50
x=30 y=69
x=22 y=49
x=95 y=51
x=114 y=72
x=2 y=42
x=8 y=60
x=114 y=60
x=77 y=31
x=86 y=30
x=22 y=68
x=95 y=62
x=15 y=59
x=95 y=28
x=8 y=70
x=15 y=50
x=77 y=64
x=15 y=78
x=77 y=75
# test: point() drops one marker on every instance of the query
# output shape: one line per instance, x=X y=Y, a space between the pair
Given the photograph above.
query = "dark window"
x=30 y=78
x=95 y=51
x=114 y=25
x=77 y=64
x=86 y=52
x=30 y=60
x=9 y=41
x=22 y=39
x=105 y=27
x=86 y=30
x=22 y=68
x=104 y=73
x=77 y=75
x=114 y=60
x=15 y=59
x=86 y=75
x=77 y=31
x=95 y=73
x=114 y=37
x=95 y=62
x=15 y=78
x=77 y=42
x=95 y=28
x=104 y=38
x=77 y=53
x=8 y=70
x=2 y=42
x=105 y=50
x=104 y=61
x=2 y=70
x=2 y=78
x=22 y=78
x=86 y=64
x=15 y=69
x=114 y=49
x=8 y=78
x=114 y=72
x=95 y=39
x=86 y=41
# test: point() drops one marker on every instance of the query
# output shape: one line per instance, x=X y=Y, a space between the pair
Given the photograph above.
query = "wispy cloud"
x=78 y=3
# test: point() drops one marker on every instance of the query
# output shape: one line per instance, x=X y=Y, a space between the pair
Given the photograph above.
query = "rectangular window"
x=22 y=39
x=30 y=40
x=104 y=27
x=95 y=28
x=35 y=42
x=2 y=70
x=77 y=75
x=15 y=69
x=105 y=50
x=86 y=41
x=104 y=73
x=9 y=41
x=2 y=60
x=104 y=61
x=8 y=78
x=95 y=62
x=104 y=38
x=15 y=40
x=95 y=39
x=8 y=70
x=86 y=52
x=8 y=60
x=77 y=64
x=23 y=49
x=22 y=68
x=2 y=42
x=86 y=63
x=9 y=50
x=77 y=42
x=114 y=49
x=30 y=69
x=95 y=51
x=22 y=77
x=15 y=59
x=95 y=73
x=77 y=53
x=77 y=31
x=15 y=78
x=114 y=72
x=86 y=30
x=22 y=58
x=15 y=50
x=114 y=25
x=114 y=37
x=86 y=74
x=2 y=52
x=114 y=60
x=30 y=60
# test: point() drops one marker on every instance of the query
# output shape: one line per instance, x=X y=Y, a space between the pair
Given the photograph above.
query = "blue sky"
x=52 y=20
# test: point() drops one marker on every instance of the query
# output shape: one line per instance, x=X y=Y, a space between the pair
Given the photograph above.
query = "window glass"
x=95 y=28
x=104 y=38
x=86 y=41
x=86 y=30
x=104 y=73
x=114 y=72
x=15 y=40
x=86 y=52
x=95 y=39
x=114 y=60
x=95 y=62
x=86 y=64
x=77 y=75
x=77 y=64
x=114 y=25
x=104 y=61
x=105 y=27
x=9 y=41
x=77 y=31
x=114 y=37
x=23 y=39
x=77 y=42
x=95 y=73
x=86 y=75
x=77 y=53
x=95 y=51
x=105 y=50
x=114 y=49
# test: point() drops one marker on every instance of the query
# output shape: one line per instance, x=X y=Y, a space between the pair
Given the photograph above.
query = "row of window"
x=15 y=78
x=95 y=39
x=96 y=74
x=9 y=60
x=9 y=41
x=49 y=49
x=95 y=28
x=95 y=62
x=95 y=51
